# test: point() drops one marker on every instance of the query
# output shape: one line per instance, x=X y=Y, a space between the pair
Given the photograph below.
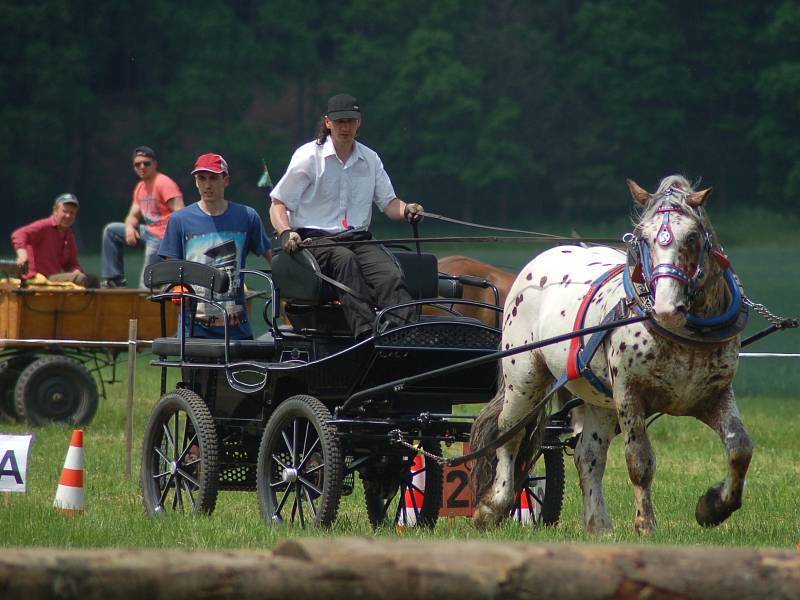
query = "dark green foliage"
x=496 y=111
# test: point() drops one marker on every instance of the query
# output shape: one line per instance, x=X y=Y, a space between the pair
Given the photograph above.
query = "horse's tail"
x=486 y=429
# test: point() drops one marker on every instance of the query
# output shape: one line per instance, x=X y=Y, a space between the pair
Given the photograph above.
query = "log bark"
x=337 y=568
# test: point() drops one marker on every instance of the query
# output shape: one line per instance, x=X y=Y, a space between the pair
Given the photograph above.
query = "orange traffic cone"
x=522 y=512
x=69 y=495
x=414 y=496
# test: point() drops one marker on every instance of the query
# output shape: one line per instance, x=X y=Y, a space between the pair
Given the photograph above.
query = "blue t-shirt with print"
x=222 y=241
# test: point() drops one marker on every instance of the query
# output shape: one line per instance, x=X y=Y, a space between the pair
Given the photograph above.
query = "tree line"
x=502 y=111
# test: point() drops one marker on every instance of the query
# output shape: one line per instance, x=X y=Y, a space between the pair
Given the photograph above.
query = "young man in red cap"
x=47 y=246
x=155 y=198
x=328 y=190
x=220 y=233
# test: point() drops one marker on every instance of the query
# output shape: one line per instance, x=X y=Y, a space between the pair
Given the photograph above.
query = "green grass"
x=689 y=458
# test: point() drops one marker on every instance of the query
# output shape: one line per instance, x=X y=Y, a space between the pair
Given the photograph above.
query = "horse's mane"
x=681 y=188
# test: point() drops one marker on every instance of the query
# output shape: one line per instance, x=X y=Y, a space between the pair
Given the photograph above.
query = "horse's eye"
x=692 y=239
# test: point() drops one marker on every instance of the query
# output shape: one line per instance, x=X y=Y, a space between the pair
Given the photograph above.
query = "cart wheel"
x=542 y=494
x=9 y=373
x=300 y=466
x=180 y=461
x=412 y=495
x=55 y=388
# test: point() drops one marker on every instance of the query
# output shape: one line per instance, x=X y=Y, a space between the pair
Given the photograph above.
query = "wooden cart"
x=54 y=342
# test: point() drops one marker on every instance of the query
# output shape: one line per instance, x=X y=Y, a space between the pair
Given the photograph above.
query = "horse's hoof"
x=711 y=511
x=645 y=529
x=484 y=518
x=599 y=525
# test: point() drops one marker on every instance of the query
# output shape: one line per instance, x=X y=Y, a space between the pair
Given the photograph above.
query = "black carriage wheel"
x=300 y=465
x=55 y=388
x=543 y=489
x=180 y=460
x=9 y=373
x=400 y=499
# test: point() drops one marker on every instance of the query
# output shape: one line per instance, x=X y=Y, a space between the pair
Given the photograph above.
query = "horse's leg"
x=525 y=384
x=590 y=459
x=639 y=455
x=719 y=502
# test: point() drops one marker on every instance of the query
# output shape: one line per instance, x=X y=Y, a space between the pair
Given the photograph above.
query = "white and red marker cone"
x=69 y=495
x=413 y=495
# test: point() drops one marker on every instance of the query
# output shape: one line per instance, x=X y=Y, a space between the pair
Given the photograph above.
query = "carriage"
x=295 y=413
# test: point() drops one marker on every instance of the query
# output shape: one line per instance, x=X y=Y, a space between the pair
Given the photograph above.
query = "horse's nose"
x=671 y=316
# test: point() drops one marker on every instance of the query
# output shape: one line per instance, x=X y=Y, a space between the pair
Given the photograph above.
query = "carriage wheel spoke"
x=165 y=491
x=314 y=469
x=308 y=454
x=188 y=446
x=298 y=492
x=176 y=420
x=308 y=484
x=310 y=503
x=289 y=445
x=170 y=440
x=188 y=493
x=186 y=477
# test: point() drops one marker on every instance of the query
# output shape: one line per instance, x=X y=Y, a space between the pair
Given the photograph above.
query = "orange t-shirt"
x=152 y=200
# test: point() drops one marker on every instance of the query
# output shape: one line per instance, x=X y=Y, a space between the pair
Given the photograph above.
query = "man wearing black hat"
x=47 y=246
x=155 y=198
x=328 y=190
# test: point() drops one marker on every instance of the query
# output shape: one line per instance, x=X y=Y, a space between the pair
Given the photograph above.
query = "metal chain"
x=396 y=436
x=776 y=320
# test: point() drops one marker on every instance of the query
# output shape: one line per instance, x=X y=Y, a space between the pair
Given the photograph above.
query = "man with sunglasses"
x=155 y=198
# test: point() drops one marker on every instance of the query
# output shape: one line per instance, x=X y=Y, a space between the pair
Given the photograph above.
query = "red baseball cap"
x=210 y=162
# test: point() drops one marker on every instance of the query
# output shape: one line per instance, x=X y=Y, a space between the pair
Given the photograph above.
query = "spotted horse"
x=679 y=362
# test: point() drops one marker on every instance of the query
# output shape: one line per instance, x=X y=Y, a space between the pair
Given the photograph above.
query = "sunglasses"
x=143 y=163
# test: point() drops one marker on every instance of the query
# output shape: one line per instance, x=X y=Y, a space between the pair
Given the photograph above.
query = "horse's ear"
x=641 y=196
x=696 y=199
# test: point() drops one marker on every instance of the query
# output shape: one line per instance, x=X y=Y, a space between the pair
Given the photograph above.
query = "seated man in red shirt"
x=47 y=246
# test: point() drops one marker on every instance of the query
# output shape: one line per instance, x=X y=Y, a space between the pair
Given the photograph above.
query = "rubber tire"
x=549 y=507
x=378 y=507
x=9 y=373
x=55 y=388
x=157 y=483
x=293 y=421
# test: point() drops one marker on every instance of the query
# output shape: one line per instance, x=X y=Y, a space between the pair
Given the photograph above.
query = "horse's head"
x=676 y=245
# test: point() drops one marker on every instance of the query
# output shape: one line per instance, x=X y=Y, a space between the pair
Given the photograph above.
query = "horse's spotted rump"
x=514 y=312
x=563 y=313
x=529 y=276
x=542 y=281
x=565 y=279
x=622 y=346
x=518 y=300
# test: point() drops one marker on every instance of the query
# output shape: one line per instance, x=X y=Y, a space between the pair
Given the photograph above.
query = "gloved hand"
x=413 y=212
x=290 y=241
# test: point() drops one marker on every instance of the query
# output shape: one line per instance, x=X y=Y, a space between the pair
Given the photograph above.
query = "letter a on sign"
x=14 y=451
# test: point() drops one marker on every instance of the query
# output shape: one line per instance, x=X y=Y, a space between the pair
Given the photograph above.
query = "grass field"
x=689 y=458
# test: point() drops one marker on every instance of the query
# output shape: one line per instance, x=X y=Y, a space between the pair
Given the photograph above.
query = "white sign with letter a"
x=14 y=451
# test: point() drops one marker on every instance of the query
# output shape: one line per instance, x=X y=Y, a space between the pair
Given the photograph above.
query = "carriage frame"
x=297 y=412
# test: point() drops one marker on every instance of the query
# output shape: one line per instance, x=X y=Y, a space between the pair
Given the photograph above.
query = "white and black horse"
x=680 y=362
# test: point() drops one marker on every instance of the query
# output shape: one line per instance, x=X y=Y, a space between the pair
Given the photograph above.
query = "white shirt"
x=322 y=192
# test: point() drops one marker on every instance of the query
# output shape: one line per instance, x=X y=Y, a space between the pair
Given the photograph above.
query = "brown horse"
x=502 y=280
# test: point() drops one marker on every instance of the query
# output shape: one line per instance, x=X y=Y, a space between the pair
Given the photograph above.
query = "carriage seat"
x=295 y=276
x=169 y=273
x=262 y=347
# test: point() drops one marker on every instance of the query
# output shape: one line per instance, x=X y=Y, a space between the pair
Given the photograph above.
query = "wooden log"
x=349 y=568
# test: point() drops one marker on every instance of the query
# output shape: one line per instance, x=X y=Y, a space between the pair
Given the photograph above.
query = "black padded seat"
x=294 y=275
x=261 y=348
